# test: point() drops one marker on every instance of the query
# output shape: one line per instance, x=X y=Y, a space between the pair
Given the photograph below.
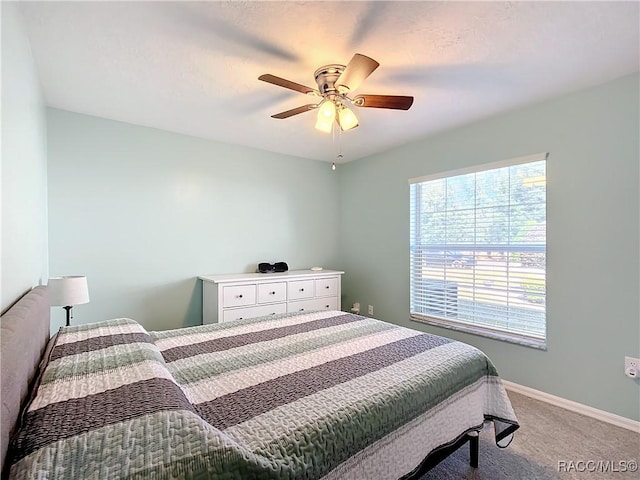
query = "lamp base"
x=68 y=309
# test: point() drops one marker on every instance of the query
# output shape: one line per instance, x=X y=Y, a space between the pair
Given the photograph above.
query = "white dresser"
x=247 y=295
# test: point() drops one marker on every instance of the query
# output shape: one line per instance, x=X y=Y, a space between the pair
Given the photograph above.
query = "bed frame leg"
x=474 y=447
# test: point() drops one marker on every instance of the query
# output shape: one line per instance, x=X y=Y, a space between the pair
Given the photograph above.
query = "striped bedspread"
x=319 y=395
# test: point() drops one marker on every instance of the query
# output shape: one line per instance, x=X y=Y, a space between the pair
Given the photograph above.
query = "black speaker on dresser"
x=277 y=267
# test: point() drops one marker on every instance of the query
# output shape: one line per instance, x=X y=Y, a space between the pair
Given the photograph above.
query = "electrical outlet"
x=356 y=306
x=632 y=367
x=370 y=310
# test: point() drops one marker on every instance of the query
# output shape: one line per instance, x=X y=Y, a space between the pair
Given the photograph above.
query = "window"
x=478 y=250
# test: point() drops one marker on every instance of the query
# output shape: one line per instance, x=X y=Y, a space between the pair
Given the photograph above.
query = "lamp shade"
x=68 y=291
x=326 y=116
x=347 y=119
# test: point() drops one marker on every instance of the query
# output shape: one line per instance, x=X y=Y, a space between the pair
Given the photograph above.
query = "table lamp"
x=68 y=291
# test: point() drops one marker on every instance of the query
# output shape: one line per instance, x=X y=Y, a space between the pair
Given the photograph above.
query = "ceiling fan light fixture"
x=326 y=116
x=347 y=119
x=335 y=82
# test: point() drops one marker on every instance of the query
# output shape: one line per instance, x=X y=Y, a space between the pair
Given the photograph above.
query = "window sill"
x=523 y=340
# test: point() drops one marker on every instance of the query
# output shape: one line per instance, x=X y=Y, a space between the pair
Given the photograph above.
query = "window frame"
x=535 y=341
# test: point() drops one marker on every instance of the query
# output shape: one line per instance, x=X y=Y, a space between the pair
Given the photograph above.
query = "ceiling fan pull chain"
x=340 y=143
x=333 y=137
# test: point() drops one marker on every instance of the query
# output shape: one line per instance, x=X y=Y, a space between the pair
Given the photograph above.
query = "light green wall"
x=24 y=165
x=143 y=212
x=592 y=237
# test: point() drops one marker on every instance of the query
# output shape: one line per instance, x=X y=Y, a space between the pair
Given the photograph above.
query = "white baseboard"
x=607 y=417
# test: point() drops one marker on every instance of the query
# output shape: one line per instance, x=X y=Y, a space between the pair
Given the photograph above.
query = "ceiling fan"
x=335 y=83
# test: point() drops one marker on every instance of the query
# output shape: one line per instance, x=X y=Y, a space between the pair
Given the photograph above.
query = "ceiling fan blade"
x=281 y=82
x=396 y=102
x=359 y=68
x=294 y=111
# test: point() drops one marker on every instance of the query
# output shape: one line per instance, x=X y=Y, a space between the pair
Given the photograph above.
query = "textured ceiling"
x=192 y=68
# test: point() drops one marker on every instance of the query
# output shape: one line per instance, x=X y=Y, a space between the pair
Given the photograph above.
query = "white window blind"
x=478 y=250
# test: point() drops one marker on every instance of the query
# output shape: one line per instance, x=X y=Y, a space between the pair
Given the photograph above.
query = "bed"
x=325 y=395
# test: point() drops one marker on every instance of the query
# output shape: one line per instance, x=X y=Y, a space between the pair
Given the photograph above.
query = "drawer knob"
x=301 y=310
x=302 y=289
x=240 y=296
x=327 y=306
x=327 y=286
x=272 y=293
x=240 y=318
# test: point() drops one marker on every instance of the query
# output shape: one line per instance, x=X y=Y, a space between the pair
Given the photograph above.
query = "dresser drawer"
x=272 y=292
x=239 y=295
x=326 y=287
x=251 y=312
x=329 y=303
x=300 y=289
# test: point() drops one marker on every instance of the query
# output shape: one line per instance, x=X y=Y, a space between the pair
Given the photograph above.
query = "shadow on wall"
x=173 y=305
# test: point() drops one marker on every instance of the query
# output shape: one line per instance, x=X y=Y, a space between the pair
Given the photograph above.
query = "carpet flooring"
x=552 y=443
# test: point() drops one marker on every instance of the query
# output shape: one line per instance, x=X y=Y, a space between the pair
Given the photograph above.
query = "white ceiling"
x=193 y=67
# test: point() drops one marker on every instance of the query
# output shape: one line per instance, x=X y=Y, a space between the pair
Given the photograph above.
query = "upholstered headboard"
x=24 y=334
